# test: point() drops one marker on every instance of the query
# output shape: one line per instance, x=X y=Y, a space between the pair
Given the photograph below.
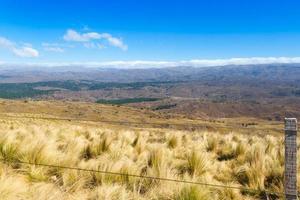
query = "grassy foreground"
x=228 y=159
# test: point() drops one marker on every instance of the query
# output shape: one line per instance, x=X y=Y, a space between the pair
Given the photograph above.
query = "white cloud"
x=74 y=36
x=92 y=45
x=161 y=64
x=25 y=50
x=25 y=44
x=54 y=49
x=115 y=42
x=192 y=63
x=6 y=43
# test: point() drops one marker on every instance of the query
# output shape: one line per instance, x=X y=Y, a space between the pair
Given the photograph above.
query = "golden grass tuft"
x=193 y=193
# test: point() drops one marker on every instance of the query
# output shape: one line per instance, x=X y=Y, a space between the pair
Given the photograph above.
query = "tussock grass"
x=193 y=193
x=225 y=159
x=173 y=142
x=197 y=163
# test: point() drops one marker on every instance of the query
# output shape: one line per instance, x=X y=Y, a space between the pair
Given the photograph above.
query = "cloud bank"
x=140 y=64
x=22 y=51
x=74 y=36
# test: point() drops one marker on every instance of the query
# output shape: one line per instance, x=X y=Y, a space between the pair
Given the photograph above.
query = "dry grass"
x=98 y=112
x=231 y=159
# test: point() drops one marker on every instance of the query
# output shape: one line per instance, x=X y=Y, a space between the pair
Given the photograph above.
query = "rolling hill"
x=269 y=92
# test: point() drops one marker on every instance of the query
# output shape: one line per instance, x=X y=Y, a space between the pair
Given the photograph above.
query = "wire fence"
x=165 y=125
x=251 y=190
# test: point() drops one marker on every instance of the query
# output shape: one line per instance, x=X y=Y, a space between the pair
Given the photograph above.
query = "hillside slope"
x=269 y=92
x=80 y=112
x=82 y=135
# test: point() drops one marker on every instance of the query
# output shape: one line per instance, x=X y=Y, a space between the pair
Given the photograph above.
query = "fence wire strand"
x=256 y=191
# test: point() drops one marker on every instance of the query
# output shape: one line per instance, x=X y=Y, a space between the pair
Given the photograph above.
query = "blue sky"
x=101 y=31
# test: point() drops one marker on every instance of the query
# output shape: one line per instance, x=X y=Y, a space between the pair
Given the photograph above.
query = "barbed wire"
x=256 y=191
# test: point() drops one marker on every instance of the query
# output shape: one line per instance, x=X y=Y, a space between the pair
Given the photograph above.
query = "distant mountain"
x=275 y=72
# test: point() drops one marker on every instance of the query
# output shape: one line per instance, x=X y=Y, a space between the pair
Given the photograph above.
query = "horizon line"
x=136 y=64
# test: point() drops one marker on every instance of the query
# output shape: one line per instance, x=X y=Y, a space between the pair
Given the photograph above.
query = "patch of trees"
x=125 y=100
